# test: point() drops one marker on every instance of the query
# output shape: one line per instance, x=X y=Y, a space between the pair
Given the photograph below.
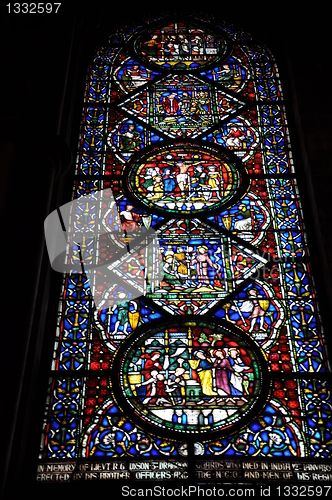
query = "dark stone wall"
x=315 y=109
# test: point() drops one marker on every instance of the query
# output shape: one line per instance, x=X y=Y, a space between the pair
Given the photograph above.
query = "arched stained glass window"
x=219 y=371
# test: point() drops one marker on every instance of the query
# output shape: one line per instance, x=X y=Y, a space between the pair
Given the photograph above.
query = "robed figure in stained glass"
x=239 y=382
x=222 y=369
x=202 y=262
x=203 y=367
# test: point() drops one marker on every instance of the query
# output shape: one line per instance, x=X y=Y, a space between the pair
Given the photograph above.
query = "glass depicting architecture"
x=223 y=362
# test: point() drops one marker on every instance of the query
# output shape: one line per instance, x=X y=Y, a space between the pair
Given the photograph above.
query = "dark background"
x=43 y=61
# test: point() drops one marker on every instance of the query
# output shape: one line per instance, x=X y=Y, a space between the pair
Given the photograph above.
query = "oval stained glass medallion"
x=193 y=378
x=181 y=46
x=184 y=179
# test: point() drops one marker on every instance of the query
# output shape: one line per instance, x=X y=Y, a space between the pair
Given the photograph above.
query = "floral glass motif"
x=224 y=358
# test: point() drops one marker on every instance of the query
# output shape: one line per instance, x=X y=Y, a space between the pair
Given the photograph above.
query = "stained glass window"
x=219 y=371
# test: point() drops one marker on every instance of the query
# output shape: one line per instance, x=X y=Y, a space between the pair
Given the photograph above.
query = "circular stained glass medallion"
x=184 y=179
x=180 y=46
x=194 y=378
